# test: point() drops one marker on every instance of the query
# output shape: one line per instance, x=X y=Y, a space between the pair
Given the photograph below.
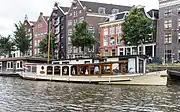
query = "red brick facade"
x=40 y=31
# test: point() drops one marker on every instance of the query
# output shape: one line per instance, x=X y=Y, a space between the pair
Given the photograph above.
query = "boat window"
x=65 y=70
x=74 y=70
x=96 y=69
x=83 y=70
x=49 y=70
x=65 y=62
x=57 y=70
x=28 y=68
x=33 y=69
x=105 y=69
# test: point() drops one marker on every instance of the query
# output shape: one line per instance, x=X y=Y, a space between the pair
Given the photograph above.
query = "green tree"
x=136 y=28
x=43 y=46
x=6 y=45
x=81 y=36
x=22 y=40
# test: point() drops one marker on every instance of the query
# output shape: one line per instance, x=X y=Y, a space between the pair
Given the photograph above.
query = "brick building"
x=57 y=27
x=168 y=41
x=93 y=13
x=29 y=27
x=110 y=36
x=40 y=31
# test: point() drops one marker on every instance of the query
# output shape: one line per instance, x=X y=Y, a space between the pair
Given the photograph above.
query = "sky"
x=13 y=11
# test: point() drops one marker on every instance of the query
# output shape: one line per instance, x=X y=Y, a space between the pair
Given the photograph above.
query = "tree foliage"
x=22 y=40
x=136 y=28
x=43 y=45
x=6 y=45
x=81 y=36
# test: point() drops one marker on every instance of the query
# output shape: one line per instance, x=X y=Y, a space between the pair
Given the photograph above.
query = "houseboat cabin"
x=16 y=65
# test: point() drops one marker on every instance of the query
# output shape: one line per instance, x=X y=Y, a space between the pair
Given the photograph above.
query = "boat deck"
x=154 y=79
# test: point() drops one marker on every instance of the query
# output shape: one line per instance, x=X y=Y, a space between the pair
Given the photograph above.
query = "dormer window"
x=114 y=11
x=101 y=10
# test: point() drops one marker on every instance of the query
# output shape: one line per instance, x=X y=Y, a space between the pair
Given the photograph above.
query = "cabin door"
x=123 y=67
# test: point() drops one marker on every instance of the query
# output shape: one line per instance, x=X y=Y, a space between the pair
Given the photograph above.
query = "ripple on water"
x=23 y=95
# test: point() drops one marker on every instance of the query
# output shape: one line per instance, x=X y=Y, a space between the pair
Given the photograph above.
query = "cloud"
x=11 y=11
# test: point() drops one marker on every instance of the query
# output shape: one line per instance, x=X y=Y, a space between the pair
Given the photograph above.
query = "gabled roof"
x=46 y=18
x=65 y=9
x=32 y=23
x=94 y=6
x=154 y=13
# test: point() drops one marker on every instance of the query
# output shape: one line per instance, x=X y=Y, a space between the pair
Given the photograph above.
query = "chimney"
x=41 y=14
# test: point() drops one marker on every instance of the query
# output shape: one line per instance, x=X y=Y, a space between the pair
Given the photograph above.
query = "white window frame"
x=114 y=11
x=89 y=50
x=105 y=31
x=118 y=29
x=102 y=9
x=106 y=42
x=69 y=22
x=121 y=51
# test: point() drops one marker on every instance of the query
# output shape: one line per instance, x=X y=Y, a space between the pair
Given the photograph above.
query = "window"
x=35 y=43
x=8 y=65
x=29 y=30
x=121 y=51
x=167 y=12
x=91 y=49
x=39 y=25
x=69 y=22
x=178 y=23
x=105 y=41
x=35 y=51
x=114 y=11
x=69 y=40
x=128 y=51
x=75 y=21
x=168 y=38
x=81 y=19
x=91 y=29
x=70 y=14
x=168 y=55
x=62 y=19
x=134 y=50
x=61 y=35
x=75 y=50
x=75 y=13
x=69 y=32
x=112 y=42
x=112 y=29
x=105 y=31
x=179 y=10
x=69 y=49
x=118 y=40
x=118 y=29
x=140 y=50
x=168 y=24
x=106 y=53
x=101 y=10
x=80 y=11
x=113 y=52
x=62 y=27
x=18 y=66
x=178 y=37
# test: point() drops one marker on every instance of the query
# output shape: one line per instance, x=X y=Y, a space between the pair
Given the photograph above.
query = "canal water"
x=18 y=95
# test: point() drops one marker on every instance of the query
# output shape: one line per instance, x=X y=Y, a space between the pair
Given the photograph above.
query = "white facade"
x=130 y=50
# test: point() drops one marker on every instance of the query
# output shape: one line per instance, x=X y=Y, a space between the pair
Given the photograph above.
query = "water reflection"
x=23 y=95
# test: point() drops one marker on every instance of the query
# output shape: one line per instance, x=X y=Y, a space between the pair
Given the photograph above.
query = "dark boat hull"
x=174 y=75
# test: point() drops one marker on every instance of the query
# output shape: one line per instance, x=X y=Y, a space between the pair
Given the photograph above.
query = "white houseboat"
x=104 y=69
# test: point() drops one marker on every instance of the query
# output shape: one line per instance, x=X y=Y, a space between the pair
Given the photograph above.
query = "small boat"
x=173 y=74
x=91 y=73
